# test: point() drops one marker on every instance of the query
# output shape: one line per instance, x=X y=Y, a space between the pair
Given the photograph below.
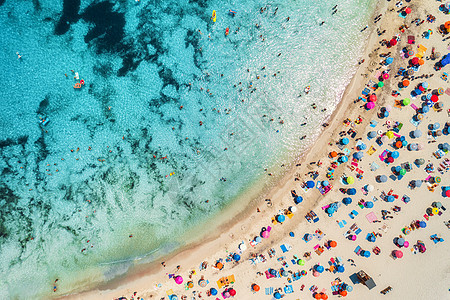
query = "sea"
x=123 y=124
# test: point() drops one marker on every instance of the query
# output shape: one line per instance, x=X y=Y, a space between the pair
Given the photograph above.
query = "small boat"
x=227 y=31
x=307 y=89
x=43 y=120
x=213 y=17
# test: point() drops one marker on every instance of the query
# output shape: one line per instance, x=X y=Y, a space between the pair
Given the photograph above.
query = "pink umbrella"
x=353 y=237
x=316 y=274
x=406 y=244
x=265 y=234
x=398 y=254
x=178 y=279
x=226 y=295
x=370 y=105
x=388 y=108
x=385 y=76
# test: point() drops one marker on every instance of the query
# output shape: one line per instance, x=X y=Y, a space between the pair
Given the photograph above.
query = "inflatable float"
x=307 y=89
x=213 y=16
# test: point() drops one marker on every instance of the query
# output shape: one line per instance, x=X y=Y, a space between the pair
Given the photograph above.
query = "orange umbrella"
x=343 y=293
x=447 y=24
x=405 y=82
x=324 y=296
x=398 y=144
x=421 y=61
x=317 y=296
x=219 y=265
x=255 y=287
x=333 y=154
x=333 y=244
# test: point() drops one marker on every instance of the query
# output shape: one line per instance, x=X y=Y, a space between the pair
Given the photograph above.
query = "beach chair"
x=386 y=290
x=357 y=250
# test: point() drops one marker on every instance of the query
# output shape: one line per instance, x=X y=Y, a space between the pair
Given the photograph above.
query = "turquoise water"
x=100 y=169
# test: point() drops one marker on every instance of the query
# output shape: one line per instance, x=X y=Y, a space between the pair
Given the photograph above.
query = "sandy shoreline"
x=246 y=224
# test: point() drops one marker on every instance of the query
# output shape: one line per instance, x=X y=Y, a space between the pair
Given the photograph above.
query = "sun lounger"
x=358 y=231
x=285 y=248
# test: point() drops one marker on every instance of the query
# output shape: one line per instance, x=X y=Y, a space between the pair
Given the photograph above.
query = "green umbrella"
x=406 y=101
x=380 y=84
x=350 y=180
x=402 y=172
x=301 y=262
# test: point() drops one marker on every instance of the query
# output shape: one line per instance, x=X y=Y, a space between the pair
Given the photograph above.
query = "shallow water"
x=99 y=171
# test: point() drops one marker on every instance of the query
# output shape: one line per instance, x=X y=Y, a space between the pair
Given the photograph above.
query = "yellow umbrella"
x=435 y=211
x=390 y=134
x=350 y=180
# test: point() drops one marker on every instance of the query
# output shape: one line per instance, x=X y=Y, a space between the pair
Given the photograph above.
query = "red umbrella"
x=393 y=42
x=398 y=254
x=408 y=10
x=415 y=61
x=434 y=98
x=373 y=98
x=421 y=88
x=390 y=159
x=232 y=292
x=447 y=193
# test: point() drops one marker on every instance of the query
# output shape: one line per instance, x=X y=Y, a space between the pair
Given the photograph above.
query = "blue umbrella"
x=395 y=154
x=372 y=134
x=277 y=295
x=397 y=169
x=369 y=204
x=436 y=126
x=386 y=114
x=362 y=147
x=345 y=141
x=298 y=199
x=237 y=257
x=340 y=269
x=320 y=269
x=422 y=224
x=281 y=218
x=425 y=109
x=213 y=291
x=310 y=184
x=273 y=272
x=351 y=191
x=401 y=241
x=383 y=178
x=425 y=84
x=347 y=200
x=417 y=133
x=309 y=237
x=325 y=183
x=366 y=253
x=389 y=60
x=390 y=198
x=404 y=143
x=291 y=234
x=343 y=159
x=258 y=239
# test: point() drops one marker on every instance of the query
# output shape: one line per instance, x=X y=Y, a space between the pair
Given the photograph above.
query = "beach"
x=415 y=275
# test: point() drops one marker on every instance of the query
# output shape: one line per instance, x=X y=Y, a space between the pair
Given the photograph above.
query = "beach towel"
x=288 y=289
x=373 y=123
x=371 y=217
x=269 y=291
x=358 y=231
x=357 y=250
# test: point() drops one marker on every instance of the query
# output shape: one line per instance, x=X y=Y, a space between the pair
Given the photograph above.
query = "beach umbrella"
x=370 y=105
x=298 y=199
x=345 y=141
x=281 y=218
x=369 y=187
x=236 y=257
x=341 y=269
x=434 y=98
x=400 y=241
x=292 y=209
x=420 y=161
x=178 y=279
x=213 y=291
x=384 y=139
x=325 y=183
x=440 y=91
x=435 y=211
x=317 y=295
x=333 y=154
x=406 y=244
x=406 y=230
x=380 y=84
x=447 y=193
x=324 y=296
x=390 y=134
x=383 y=178
x=402 y=172
x=310 y=184
x=273 y=272
x=405 y=82
x=366 y=253
x=406 y=101
x=358 y=155
x=398 y=144
x=424 y=85
x=309 y=237
x=353 y=237
x=258 y=238
x=347 y=200
x=408 y=10
x=362 y=146
x=333 y=244
x=417 y=133
x=255 y=287
x=389 y=60
x=390 y=198
x=242 y=246
x=373 y=98
x=418 y=183
x=351 y=191
x=422 y=224
x=277 y=295
x=395 y=154
x=265 y=234
x=226 y=294
x=410 y=72
x=372 y=134
x=398 y=254
x=386 y=114
x=343 y=293
x=393 y=42
x=319 y=268
x=415 y=60
x=343 y=159
x=425 y=109
x=390 y=159
x=291 y=234
x=385 y=76
x=436 y=126
x=350 y=180
x=301 y=262
x=369 y=204
x=232 y=292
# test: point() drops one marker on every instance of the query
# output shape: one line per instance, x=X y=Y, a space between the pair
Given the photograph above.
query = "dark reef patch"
x=69 y=16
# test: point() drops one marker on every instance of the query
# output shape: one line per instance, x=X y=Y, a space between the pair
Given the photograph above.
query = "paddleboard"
x=214 y=16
